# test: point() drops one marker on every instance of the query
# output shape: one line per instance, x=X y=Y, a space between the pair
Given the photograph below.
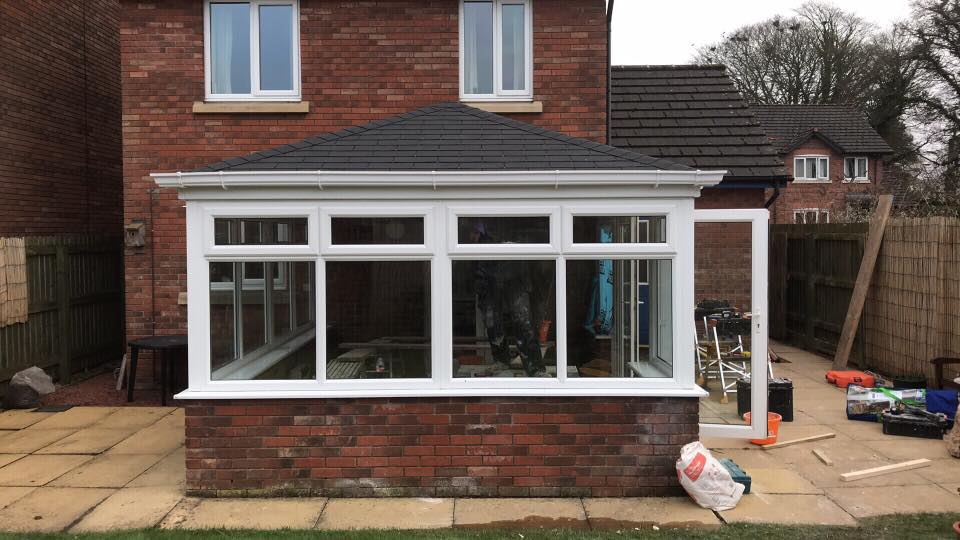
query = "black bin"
x=779 y=397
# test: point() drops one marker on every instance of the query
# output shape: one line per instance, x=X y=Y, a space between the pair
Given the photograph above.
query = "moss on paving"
x=894 y=527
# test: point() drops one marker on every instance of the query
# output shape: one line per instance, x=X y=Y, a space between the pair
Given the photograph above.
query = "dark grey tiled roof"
x=842 y=126
x=443 y=137
x=693 y=115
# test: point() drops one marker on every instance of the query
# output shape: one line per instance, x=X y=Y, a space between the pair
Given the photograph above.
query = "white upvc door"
x=758 y=361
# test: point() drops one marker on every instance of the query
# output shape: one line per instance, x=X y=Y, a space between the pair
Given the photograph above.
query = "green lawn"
x=899 y=527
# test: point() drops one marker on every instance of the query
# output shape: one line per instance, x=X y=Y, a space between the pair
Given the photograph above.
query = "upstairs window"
x=811 y=216
x=252 y=50
x=495 y=49
x=811 y=168
x=855 y=169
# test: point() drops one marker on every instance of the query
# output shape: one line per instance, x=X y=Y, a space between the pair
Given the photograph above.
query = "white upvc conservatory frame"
x=440 y=198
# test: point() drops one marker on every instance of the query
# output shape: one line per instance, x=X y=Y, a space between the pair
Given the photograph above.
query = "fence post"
x=63 y=314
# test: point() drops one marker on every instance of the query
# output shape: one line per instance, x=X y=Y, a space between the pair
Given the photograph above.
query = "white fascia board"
x=434 y=179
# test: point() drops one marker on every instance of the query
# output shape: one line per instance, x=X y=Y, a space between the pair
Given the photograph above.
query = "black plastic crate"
x=913 y=425
x=779 y=397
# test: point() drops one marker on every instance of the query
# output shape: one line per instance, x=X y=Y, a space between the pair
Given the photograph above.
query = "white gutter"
x=434 y=179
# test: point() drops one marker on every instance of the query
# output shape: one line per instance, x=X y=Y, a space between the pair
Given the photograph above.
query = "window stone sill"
x=251 y=107
x=501 y=107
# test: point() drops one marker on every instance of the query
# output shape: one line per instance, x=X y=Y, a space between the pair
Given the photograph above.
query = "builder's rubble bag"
x=868 y=404
x=706 y=480
x=845 y=378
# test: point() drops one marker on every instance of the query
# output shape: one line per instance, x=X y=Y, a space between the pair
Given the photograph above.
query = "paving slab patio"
x=38 y=470
x=133 y=417
x=154 y=439
x=169 y=471
x=49 y=509
x=8 y=495
x=526 y=513
x=130 y=508
x=782 y=481
x=108 y=470
x=19 y=419
x=91 y=440
x=30 y=440
x=420 y=513
x=260 y=514
x=74 y=418
x=788 y=509
x=861 y=501
x=665 y=512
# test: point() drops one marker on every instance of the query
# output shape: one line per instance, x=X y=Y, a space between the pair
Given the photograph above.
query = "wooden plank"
x=874 y=239
x=886 y=469
x=792 y=442
x=823 y=457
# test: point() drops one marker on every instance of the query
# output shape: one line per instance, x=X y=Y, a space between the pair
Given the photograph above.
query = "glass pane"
x=811 y=168
x=723 y=296
x=798 y=171
x=503 y=314
x=620 y=318
x=230 y=48
x=262 y=327
x=276 y=47
x=478 y=47
x=366 y=230
x=861 y=168
x=824 y=169
x=619 y=229
x=503 y=230
x=513 y=48
x=263 y=231
x=378 y=320
x=848 y=167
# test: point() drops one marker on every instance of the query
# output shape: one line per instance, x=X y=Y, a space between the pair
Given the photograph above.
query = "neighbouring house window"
x=253 y=50
x=855 y=169
x=495 y=49
x=811 y=216
x=811 y=168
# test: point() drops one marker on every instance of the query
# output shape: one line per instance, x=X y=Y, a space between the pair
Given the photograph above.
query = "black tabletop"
x=160 y=342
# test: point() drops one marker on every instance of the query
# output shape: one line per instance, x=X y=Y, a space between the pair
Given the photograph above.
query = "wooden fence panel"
x=75 y=291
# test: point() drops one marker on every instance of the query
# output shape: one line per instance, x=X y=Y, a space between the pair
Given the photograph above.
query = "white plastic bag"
x=35 y=378
x=706 y=480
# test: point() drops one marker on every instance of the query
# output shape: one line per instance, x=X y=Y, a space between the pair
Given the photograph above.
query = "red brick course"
x=361 y=61
x=478 y=447
x=60 y=107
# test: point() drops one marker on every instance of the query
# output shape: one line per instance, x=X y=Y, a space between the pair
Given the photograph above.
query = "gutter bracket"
x=319 y=181
x=180 y=179
x=223 y=183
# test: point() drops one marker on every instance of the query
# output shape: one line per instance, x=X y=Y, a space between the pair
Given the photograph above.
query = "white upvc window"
x=810 y=216
x=811 y=169
x=856 y=169
x=252 y=50
x=496 y=50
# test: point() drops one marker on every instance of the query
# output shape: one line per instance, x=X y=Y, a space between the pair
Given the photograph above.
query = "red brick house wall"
x=481 y=447
x=361 y=61
x=831 y=197
x=60 y=152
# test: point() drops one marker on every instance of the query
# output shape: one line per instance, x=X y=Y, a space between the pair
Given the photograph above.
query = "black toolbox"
x=779 y=397
x=907 y=424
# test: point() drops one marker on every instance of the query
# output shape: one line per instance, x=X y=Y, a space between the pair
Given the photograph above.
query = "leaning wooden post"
x=63 y=313
x=874 y=239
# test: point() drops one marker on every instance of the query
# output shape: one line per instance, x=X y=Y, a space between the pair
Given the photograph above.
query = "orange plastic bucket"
x=773 y=428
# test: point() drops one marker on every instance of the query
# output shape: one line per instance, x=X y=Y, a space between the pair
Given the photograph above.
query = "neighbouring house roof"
x=444 y=137
x=842 y=127
x=693 y=115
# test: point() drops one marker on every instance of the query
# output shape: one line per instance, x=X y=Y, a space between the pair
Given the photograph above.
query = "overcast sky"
x=670 y=31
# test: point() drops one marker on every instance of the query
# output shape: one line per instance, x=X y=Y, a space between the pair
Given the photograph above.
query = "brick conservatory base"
x=465 y=446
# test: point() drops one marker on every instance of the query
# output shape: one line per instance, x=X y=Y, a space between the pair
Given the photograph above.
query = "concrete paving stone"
x=169 y=471
x=245 y=514
x=21 y=418
x=151 y=440
x=50 y=509
x=645 y=512
x=423 y=513
x=748 y=458
x=826 y=477
x=861 y=431
x=908 y=448
x=9 y=495
x=724 y=443
x=87 y=441
x=790 y=431
x=74 y=418
x=526 y=513
x=941 y=471
x=953 y=488
x=6 y=459
x=781 y=481
x=174 y=420
x=108 y=470
x=130 y=508
x=788 y=510
x=826 y=415
x=864 y=502
x=842 y=451
x=39 y=470
x=30 y=440
x=133 y=417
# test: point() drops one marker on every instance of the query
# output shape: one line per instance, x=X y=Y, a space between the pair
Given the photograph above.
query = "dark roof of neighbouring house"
x=692 y=115
x=444 y=137
x=843 y=127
